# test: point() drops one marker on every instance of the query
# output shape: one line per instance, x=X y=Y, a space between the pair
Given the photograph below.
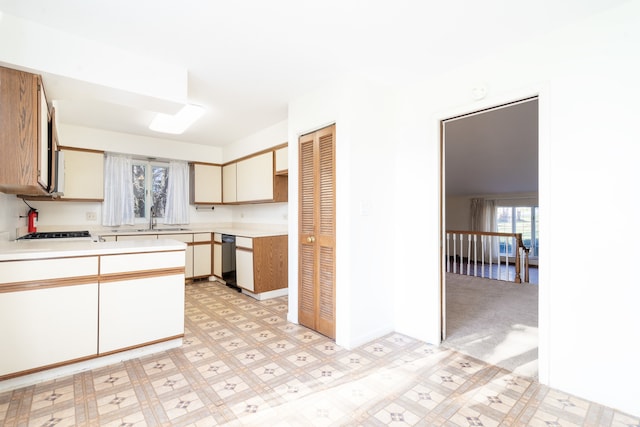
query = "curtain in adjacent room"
x=177 y=209
x=477 y=215
x=483 y=218
x=117 y=208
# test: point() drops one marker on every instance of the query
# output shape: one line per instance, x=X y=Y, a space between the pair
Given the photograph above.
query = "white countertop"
x=19 y=250
x=243 y=231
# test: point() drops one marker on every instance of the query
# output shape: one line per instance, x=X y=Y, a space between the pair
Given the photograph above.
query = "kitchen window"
x=149 y=189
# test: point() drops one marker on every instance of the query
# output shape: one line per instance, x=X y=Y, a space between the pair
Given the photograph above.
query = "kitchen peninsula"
x=62 y=303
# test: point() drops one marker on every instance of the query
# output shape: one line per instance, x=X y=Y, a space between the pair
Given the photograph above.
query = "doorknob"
x=311 y=239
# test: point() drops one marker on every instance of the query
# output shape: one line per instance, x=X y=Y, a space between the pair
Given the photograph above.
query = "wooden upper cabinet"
x=25 y=154
x=205 y=184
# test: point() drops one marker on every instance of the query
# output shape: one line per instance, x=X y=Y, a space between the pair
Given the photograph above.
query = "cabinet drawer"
x=217 y=237
x=202 y=237
x=139 y=262
x=47 y=326
x=43 y=269
x=244 y=242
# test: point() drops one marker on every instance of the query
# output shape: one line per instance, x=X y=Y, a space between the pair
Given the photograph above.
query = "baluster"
x=455 y=267
x=491 y=257
x=461 y=254
x=475 y=255
x=517 y=260
x=506 y=257
x=499 y=259
x=469 y=255
x=482 y=239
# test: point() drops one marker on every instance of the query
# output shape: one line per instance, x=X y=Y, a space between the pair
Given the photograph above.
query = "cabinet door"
x=244 y=263
x=83 y=174
x=282 y=161
x=244 y=269
x=206 y=184
x=202 y=259
x=217 y=259
x=44 y=150
x=255 y=178
x=46 y=326
x=24 y=148
x=129 y=317
x=229 y=194
x=188 y=264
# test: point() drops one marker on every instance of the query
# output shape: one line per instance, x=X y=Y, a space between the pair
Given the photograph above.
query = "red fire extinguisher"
x=33 y=220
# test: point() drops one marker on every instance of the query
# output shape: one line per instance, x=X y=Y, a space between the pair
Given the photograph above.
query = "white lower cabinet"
x=57 y=311
x=127 y=320
x=47 y=326
x=202 y=255
x=217 y=255
x=244 y=263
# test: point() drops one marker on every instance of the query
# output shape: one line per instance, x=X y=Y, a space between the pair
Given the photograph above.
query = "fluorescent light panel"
x=179 y=122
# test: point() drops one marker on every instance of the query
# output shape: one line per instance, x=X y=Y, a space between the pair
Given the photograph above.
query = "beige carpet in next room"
x=494 y=321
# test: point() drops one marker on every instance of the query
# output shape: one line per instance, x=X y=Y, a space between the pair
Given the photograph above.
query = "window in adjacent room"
x=149 y=188
x=518 y=219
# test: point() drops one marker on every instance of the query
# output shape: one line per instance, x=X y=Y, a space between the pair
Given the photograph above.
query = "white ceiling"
x=247 y=58
x=493 y=152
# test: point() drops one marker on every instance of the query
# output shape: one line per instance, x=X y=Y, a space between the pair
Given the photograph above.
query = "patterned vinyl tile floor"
x=243 y=364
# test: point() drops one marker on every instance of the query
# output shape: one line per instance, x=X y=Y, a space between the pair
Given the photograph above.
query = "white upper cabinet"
x=254 y=180
x=282 y=161
x=229 y=183
x=206 y=183
x=83 y=174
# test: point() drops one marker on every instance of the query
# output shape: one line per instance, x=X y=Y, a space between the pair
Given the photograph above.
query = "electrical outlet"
x=92 y=216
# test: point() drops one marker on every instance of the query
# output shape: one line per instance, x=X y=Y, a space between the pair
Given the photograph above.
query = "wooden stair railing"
x=469 y=240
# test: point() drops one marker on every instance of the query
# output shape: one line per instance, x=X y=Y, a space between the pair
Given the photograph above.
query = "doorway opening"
x=490 y=169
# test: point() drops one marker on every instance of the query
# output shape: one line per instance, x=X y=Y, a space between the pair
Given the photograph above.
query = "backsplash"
x=86 y=215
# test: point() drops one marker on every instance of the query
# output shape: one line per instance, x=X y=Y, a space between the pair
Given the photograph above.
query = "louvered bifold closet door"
x=317 y=231
x=306 y=258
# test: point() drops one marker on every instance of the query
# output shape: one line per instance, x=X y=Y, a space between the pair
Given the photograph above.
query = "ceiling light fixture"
x=179 y=122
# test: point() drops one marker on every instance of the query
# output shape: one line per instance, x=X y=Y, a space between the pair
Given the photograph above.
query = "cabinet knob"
x=311 y=239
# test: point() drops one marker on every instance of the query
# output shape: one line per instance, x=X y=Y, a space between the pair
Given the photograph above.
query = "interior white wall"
x=266 y=138
x=586 y=76
x=364 y=295
x=11 y=208
x=98 y=139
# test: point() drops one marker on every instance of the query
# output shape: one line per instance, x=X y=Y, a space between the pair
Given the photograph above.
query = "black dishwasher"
x=229 y=261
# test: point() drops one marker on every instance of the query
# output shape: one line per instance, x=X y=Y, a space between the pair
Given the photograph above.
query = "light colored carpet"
x=494 y=321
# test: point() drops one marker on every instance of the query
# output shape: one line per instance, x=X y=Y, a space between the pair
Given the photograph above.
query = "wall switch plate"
x=92 y=216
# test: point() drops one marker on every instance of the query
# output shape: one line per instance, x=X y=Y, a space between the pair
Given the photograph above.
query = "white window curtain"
x=177 y=209
x=117 y=208
x=477 y=215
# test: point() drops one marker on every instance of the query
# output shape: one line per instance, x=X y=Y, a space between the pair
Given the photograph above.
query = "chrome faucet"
x=152 y=216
